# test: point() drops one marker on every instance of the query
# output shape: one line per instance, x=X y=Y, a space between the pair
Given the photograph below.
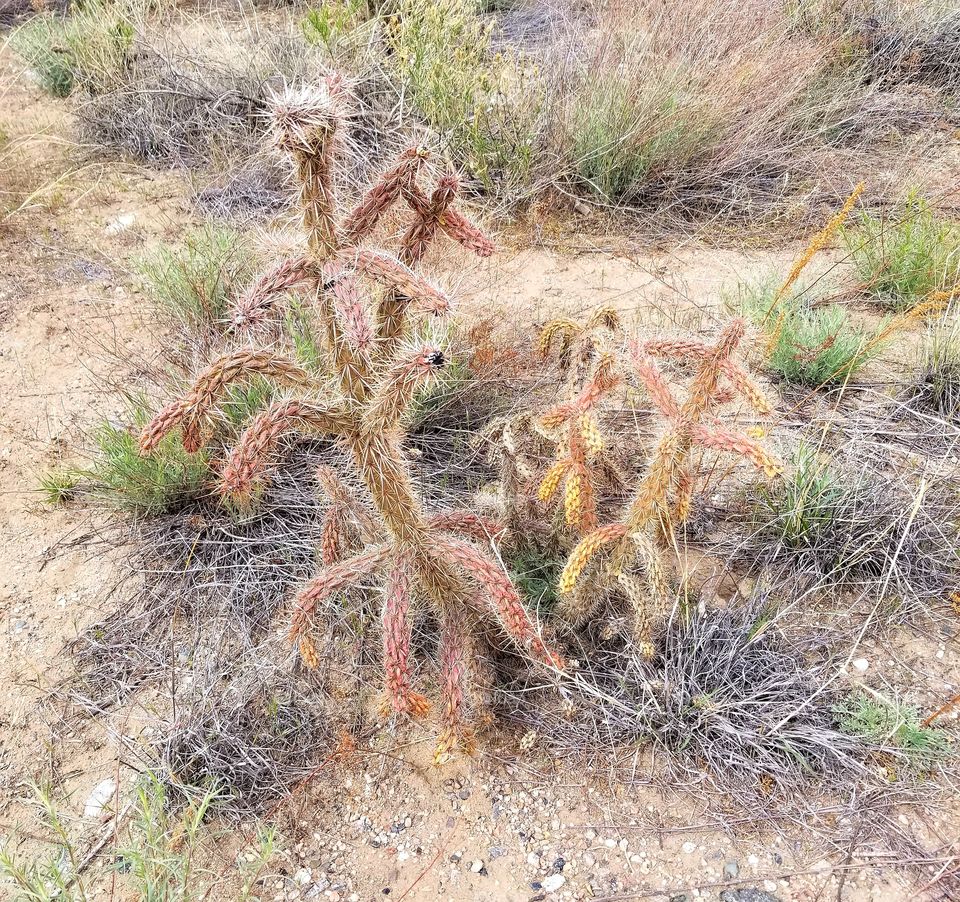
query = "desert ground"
x=141 y=756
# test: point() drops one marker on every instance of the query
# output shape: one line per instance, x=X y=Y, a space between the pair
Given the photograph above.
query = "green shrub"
x=196 y=279
x=892 y=724
x=808 y=344
x=89 y=48
x=484 y=105
x=902 y=260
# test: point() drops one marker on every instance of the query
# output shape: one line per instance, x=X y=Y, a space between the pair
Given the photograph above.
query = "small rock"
x=731 y=870
x=589 y=859
x=303 y=876
x=860 y=664
x=477 y=866
x=496 y=852
x=97 y=802
x=120 y=224
x=533 y=859
x=558 y=864
x=689 y=847
x=554 y=882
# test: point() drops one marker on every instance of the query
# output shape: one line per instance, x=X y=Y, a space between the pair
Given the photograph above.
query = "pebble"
x=860 y=664
x=97 y=801
x=689 y=847
x=554 y=882
x=731 y=870
x=477 y=866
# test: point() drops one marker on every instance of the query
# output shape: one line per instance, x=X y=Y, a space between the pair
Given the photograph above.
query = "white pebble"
x=860 y=664
x=554 y=882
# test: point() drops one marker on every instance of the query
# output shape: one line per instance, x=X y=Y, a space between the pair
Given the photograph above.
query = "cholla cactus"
x=378 y=368
x=578 y=444
x=614 y=555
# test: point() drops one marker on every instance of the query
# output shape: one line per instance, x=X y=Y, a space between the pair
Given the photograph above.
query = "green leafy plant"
x=194 y=280
x=892 y=724
x=808 y=344
x=484 y=105
x=328 y=24
x=904 y=259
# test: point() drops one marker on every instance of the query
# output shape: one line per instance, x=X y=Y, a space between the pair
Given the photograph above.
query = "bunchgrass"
x=804 y=503
x=119 y=476
x=902 y=259
x=938 y=382
x=194 y=280
x=894 y=726
x=807 y=344
x=623 y=134
x=59 y=485
x=87 y=48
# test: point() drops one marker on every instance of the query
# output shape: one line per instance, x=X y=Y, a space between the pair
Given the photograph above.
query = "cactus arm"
x=256 y=303
x=194 y=408
x=248 y=461
x=396 y=640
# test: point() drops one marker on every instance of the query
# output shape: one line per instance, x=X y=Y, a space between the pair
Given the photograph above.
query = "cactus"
x=613 y=555
x=378 y=368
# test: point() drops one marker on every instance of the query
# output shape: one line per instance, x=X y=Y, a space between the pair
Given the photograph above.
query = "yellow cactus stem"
x=587 y=547
x=605 y=316
x=743 y=383
x=818 y=242
x=684 y=495
x=573 y=498
x=590 y=432
x=308 y=652
x=551 y=480
x=566 y=329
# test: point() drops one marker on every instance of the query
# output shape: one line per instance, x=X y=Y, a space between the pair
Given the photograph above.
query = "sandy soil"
x=382 y=824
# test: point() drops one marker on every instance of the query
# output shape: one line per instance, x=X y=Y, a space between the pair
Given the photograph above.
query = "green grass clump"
x=622 y=133
x=144 y=483
x=802 y=505
x=89 y=48
x=903 y=259
x=161 y=856
x=938 y=385
x=123 y=478
x=808 y=344
x=196 y=279
x=484 y=105
x=892 y=724
x=58 y=486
